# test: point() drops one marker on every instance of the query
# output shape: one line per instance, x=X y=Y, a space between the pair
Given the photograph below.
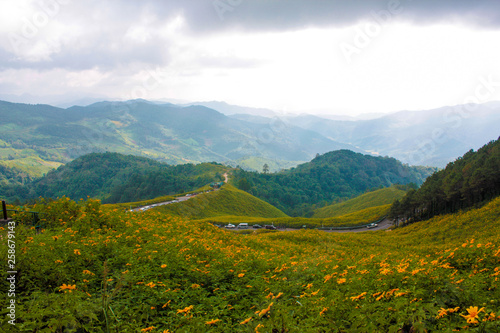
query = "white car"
x=372 y=225
x=230 y=226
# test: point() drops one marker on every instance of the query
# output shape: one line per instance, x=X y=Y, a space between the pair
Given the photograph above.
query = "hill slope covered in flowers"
x=95 y=269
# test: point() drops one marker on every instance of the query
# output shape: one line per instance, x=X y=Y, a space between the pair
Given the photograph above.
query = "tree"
x=265 y=168
x=244 y=185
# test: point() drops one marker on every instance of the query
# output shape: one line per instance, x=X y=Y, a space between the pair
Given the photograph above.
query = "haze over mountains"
x=43 y=136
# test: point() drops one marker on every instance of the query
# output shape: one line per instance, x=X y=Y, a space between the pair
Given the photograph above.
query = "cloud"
x=81 y=35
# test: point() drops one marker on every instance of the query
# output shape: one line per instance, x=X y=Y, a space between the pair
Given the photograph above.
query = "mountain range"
x=37 y=138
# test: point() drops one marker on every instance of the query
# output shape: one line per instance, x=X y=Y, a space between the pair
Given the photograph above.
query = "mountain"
x=430 y=137
x=165 y=132
x=471 y=180
x=114 y=177
x=333 y=176
x=229 y=109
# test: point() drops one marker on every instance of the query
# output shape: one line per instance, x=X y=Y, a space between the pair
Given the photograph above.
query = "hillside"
x=126 y=272
x=114 y=177
x=335 y=175
x=226 y=201
x=166 y=132
x=368 y=200
x=470 y=180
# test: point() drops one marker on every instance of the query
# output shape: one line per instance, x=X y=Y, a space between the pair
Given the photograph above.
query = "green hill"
x=469 y=181
x=335 y=175
x=115 y=178
x=368 y=200
x=226 y=201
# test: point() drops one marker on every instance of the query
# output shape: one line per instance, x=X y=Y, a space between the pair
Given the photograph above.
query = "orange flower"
x=148 y=329
x=211 y=322
x=360 y=296
x=341 y=280
x=241 y=275
x=185 y=310
x=245 y=321
x=163 y=266
x=473 y=314
x=70 y=288
x=77 y=252
x=323 y=311
x=266 y=310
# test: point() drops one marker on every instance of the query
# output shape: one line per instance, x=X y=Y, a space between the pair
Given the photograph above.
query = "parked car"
x=372 y=225
x=256 y=226
x=243 y=226
x=270 y=227
x=230 y=226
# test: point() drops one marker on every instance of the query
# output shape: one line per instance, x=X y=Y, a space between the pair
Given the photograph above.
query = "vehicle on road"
x=230 y=226
x=270 y=227
x=243 y=226
x=256 y=226
x=372 y=225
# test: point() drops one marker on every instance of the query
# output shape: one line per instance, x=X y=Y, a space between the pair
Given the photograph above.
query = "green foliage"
x=470 y=180
x=116 y=178
x=96 y=270
x=367 y=200
x=329 y=177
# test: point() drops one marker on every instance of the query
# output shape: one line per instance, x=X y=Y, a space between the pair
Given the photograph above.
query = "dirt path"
x=226 y=178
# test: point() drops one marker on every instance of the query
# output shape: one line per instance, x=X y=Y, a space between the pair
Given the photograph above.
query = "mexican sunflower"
x=473 y=314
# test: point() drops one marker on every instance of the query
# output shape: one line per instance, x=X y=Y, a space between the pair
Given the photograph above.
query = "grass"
x=371 y=199
x=227 y=201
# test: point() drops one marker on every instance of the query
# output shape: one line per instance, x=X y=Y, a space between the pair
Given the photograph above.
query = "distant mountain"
x=431 y=137
x=229 y=109
x=166 y=132
x=327 y=178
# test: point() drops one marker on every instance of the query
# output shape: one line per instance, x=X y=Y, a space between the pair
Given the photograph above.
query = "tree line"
x=470 y=181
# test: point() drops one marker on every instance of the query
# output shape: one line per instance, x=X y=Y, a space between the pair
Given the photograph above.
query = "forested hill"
x=327 y=178
x=470 y=180
x=114 y=177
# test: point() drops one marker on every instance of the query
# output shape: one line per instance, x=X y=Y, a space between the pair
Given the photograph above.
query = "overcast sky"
x=338 y=57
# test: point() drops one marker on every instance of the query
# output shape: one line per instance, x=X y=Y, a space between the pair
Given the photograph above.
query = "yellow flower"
x=186 y=309
x=86 y=271
x=266 y=310
x=163 y=266
x=241 y=275
x=77 y=252
x=360 y=296
x=211 y=322
x=70 y=288
x=58 y=262
x=245 y=321
x=473 y=314
x=441 y=313
x=323 y=311
x=148 y=329
x=341 y=280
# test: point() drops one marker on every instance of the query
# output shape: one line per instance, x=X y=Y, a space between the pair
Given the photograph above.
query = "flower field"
x=97 y=269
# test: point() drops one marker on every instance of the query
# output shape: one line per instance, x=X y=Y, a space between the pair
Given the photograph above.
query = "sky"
x=309 y=56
